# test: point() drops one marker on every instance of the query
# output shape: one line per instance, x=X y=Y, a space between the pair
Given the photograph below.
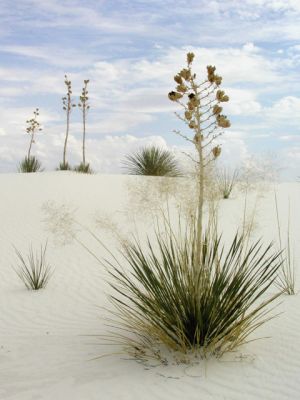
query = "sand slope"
x=45 y=352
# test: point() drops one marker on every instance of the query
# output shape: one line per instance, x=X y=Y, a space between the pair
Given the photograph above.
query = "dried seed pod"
x=222 y=121
x=190 y=57
x=188 y=115
x=217 y=109
x=181 y=88
x=185 y=74
x=178 y=79
x=198 y=137
x=192 y=125
x=217 y=80
x=216 y=151
x=174 y=96
x=190 y=105
x=221 y=97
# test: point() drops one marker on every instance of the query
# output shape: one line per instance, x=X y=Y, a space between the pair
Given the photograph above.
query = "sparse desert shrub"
x=226 y=181
x=30 y=164
x=161 y=296
x=83 y=168
x=34 y=271
x=152 y=161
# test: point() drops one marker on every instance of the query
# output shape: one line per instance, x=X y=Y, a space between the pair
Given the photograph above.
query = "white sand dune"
x=46 y=350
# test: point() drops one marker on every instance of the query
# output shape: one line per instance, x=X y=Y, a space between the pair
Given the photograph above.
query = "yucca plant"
x=31 y=164
x=152 y=161
x=83 y=168
x=68 y=105
x=64 y=166
x=84 y=106
x=226 y=180
x=34 y=271
x=163 y=297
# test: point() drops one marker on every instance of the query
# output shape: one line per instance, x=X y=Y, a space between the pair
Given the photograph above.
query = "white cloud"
x=287 y=109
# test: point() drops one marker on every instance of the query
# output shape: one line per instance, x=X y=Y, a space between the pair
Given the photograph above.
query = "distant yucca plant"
x=64 y=166
x=152 y=161
x=34 y=271
x=30 y=164
x=161 y=296
x=83 y=168
x=226 y=180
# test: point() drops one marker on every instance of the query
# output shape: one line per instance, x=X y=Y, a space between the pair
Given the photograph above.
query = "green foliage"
x=64 y=167
x=162 y=297
x=30 y=164
x=34 y=271
x=83 y=168
x=152 y=161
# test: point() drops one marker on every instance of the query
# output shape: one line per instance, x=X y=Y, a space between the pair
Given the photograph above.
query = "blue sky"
x=130 y=51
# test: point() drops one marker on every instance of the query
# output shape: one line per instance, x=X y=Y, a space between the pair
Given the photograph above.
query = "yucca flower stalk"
x=33 y=126
x=202 y=113
x=83 y=104
x=68 y=105
x=31 y=163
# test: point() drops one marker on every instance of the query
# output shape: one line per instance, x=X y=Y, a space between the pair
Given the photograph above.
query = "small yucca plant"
x=64 y=167
x=30 y=164
x=152 y=161
x=34 y=271
x=226 y=181
x=83 y=168
x=162 y=296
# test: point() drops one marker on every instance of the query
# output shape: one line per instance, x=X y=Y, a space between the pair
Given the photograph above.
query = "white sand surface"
x=46 y=351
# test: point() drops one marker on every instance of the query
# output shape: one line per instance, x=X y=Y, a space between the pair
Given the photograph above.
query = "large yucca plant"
x=30 y=164
x=34 y=271
x=161 y=296
x=152 y=161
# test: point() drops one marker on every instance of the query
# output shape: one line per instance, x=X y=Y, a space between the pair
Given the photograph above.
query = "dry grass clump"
x=161 y=296
x=34 y=271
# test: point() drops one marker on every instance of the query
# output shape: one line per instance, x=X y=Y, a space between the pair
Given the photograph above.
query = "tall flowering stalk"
x=83 y=104
x=33 y=126
x=67 y=107
x=202 y=113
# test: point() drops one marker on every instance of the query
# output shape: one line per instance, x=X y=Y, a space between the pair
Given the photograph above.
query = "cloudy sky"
x=130 y=50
